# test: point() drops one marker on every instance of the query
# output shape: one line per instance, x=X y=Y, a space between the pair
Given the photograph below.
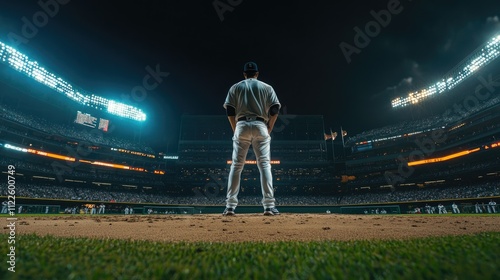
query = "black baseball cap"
x=250 y=67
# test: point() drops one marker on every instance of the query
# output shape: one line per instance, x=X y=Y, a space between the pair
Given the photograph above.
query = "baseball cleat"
x=228 y=212
x=271 y=211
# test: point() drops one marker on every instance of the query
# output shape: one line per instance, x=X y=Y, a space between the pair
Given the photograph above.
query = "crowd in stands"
x=198 y=198
x=47 y=144
x=88 y=176
x=71 y=131
x=381 y=179
x=424 y=124
x=425 y=194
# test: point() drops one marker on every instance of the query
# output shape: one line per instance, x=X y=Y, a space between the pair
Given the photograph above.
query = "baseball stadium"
x=85 y=196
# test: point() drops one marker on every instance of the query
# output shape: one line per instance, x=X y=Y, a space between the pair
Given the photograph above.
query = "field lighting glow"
x=477 y=59
x=15 y=148
x=72 y=159
x=22 y=63
x=445 y=158
x=486 y=147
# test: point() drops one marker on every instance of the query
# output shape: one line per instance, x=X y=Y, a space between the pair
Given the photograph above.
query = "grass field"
x=453 y=257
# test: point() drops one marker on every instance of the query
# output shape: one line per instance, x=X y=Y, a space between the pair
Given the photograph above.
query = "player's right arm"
x=229 y=105
x=273 y=116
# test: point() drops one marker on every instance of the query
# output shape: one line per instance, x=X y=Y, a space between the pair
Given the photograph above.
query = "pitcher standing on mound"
x=252 y=108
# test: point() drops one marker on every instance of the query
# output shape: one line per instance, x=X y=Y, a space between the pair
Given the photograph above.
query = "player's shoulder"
x=236 y=85
x=264 y=84
x=267 y=86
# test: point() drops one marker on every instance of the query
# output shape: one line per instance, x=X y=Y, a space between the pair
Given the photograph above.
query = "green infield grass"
x=450 y=257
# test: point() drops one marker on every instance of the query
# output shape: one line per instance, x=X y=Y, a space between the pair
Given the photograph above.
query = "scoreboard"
x=91 y=121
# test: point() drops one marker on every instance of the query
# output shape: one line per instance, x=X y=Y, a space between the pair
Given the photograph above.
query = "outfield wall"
x=465 y=206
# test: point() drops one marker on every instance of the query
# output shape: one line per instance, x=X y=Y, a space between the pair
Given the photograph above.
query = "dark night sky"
x=105 y=47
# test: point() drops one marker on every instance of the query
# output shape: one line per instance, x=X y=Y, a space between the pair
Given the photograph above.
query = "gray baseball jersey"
x=251 y=98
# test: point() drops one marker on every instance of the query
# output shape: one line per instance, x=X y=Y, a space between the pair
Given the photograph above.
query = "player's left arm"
x=231 y=116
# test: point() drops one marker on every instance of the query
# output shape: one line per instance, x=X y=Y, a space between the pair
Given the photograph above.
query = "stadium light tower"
x=23 y=64
x=479 y=58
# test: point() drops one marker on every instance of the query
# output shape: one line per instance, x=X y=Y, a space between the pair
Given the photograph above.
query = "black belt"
x=252 y=119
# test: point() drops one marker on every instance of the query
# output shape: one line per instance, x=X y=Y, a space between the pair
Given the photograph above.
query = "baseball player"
x=4 y=206
x=440 y=208
x=478 y=208
x=428 y=208
x=252 y=108
x=455 y=209
x=102 y=208
x=493 y=206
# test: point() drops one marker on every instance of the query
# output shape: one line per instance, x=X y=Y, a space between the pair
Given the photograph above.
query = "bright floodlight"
x=479 y=58
x=125 y=110
x=23 y=64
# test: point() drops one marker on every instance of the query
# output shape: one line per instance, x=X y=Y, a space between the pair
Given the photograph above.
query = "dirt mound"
x=255 y=227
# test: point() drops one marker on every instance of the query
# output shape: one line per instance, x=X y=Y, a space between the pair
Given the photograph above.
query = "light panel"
x=21 y=63
x=479 y=58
